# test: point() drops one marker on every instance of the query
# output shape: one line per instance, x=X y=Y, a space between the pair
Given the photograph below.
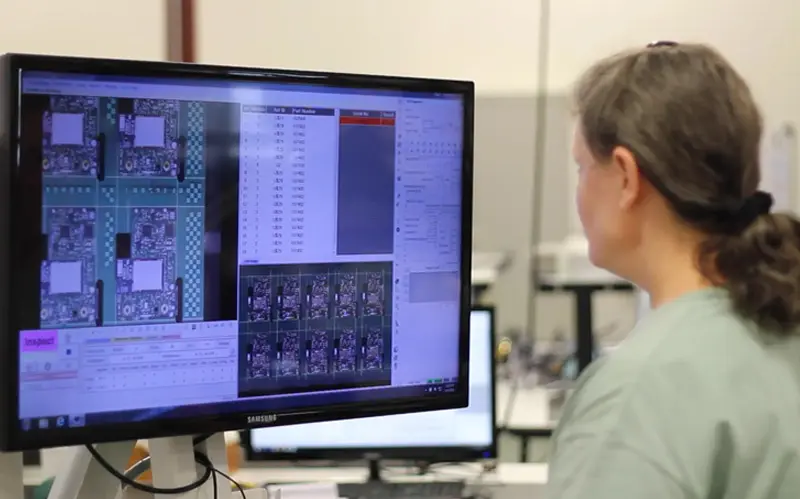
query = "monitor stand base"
x=11 y=483
x=374 y=470
x=172 y=463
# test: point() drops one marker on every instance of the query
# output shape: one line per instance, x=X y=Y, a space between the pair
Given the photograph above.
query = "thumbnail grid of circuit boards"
x=316 y=320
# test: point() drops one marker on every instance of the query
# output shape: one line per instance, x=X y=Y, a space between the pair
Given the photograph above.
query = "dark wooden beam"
x=180 y=26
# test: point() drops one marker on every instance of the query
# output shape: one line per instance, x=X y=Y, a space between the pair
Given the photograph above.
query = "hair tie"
x=662 y=43
x=756 y=205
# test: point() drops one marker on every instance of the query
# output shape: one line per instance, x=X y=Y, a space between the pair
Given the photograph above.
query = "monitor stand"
x=172 y=463
x=374 y=469
x=11 y=481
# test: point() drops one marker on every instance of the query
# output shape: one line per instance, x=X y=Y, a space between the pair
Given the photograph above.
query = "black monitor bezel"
x=12 y=438
x=424 y=454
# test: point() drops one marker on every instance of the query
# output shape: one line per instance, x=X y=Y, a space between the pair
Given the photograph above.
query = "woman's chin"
x=599 y=260
x=595 y=257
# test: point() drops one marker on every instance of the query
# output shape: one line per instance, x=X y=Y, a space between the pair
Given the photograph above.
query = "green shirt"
x=695 y=404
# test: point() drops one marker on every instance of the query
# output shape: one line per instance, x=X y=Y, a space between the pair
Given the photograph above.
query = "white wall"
x=128 y=29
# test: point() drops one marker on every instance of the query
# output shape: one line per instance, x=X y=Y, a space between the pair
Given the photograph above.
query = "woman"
x=703 y=399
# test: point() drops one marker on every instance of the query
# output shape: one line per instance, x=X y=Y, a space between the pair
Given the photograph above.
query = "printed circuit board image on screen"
x=68 y=294
x=287 y=298
x=259 y=299
x=288 y=354
x=345 y=301
x=318 y=297
x=372 y=295
x=373 y=349
x=146 y=282
x=69 y=136
x=318 y=351
x=344 y=351
x=149 y=139
x=259 y=356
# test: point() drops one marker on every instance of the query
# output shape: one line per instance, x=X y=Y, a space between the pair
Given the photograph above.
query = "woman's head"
x=668 y=143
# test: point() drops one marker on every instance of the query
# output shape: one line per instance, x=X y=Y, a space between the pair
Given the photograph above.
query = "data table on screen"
x=287 y=190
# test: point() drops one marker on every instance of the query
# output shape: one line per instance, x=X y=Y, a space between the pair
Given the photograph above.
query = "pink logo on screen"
x=39 y=341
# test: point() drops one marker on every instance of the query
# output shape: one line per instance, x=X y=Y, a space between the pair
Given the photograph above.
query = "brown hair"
x=691 y=122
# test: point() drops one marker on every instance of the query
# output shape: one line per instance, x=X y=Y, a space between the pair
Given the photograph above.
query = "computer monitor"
x=190 y=249
x=450 y=435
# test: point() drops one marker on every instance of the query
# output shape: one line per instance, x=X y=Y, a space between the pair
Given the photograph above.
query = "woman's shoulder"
x=638 y=389
x=696 y=347
x=706 y=364
x=699 y=329
x=671 y=397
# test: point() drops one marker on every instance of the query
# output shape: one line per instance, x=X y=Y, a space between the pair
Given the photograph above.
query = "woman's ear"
x=624 y=162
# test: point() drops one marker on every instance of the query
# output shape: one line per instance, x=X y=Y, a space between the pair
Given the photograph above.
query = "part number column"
x=298 y=176
x=280 y=122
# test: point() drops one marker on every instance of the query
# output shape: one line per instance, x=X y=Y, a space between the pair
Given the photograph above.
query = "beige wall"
x=490 y=42
x=760 y=38
x=101 y=28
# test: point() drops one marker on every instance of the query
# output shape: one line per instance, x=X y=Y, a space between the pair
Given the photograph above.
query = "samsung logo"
x=262 y=419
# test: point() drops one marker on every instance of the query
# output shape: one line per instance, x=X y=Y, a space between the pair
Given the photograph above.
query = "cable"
x=143 y=465
x=127 y=482
x=540 y=141
x=128 y=478
x=236 y=484
x=203 y=460
x=209 y=466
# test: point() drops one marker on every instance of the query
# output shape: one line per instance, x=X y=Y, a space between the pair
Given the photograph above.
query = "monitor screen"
x=211 y=249
x=470 y=430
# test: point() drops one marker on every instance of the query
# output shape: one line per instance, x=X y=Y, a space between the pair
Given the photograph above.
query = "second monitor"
x=449 y=435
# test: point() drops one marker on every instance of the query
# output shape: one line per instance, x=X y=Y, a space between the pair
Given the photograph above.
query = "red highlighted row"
x=362 y=120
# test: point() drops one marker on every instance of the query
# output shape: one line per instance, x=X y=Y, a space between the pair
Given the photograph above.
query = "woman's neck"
x=670 y=271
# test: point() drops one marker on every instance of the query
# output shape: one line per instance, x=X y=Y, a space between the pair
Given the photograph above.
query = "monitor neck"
x=374 y=469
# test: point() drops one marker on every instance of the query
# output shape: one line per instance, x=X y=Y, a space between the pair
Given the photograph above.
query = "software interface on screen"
x=472 y=427
x=347 y=246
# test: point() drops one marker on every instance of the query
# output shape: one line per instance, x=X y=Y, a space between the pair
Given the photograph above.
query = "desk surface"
x=505 y=474
x=486 y=266
x=530 y=409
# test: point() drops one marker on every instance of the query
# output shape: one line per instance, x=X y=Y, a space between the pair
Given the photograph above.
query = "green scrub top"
x=697 y=403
